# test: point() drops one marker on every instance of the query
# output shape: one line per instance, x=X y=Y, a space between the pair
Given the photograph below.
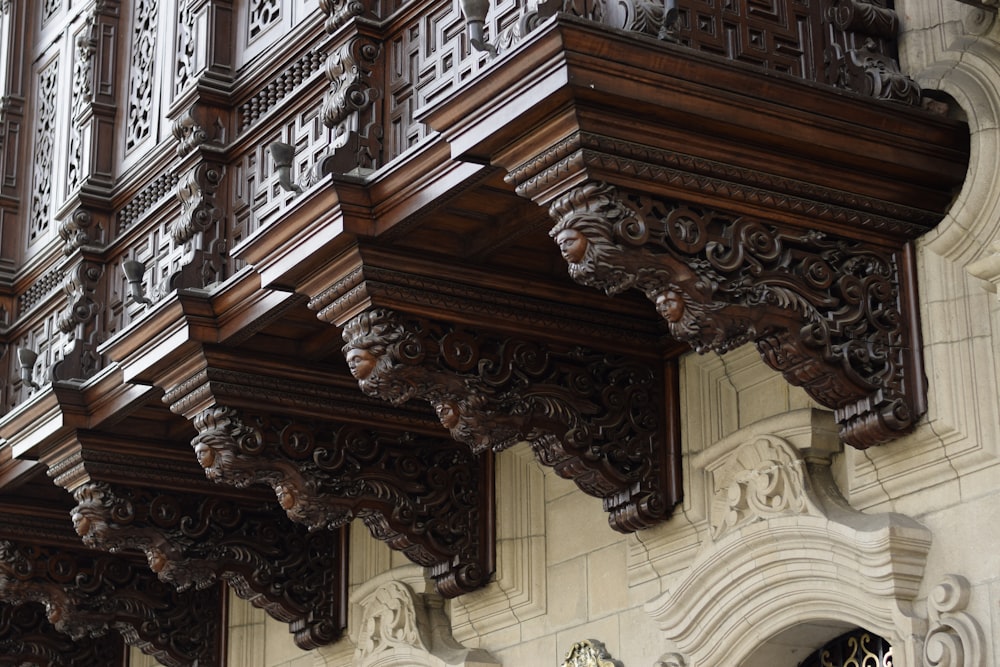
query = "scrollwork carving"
x=190 y=541
x=27 y=638
x=761 y=480
x=339 y=12
x=954 y=638
x=81 y=290
x=826 y=312
x=197 y=193
x=349 y=108
x=585 y=413
x=868 y=72
x=85 y=594
x=423 y=496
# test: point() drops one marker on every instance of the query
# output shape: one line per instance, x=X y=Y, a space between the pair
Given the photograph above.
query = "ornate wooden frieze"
x=427 y=497
x=594 y=417
x=28 y=638
x=191 y=540
x=86 y=594
x=828 y=312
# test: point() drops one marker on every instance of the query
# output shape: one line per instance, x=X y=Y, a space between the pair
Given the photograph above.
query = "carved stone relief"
x=400 y=627
x=585 y=413
x=589 y=653
x=429 y=498
x=191 y=541
x=826 y=312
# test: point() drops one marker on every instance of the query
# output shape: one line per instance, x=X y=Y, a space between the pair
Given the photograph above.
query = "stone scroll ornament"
x=87 y=594
x=191 y=541
x=426 y=497
x=593 y=417
x=824 y=311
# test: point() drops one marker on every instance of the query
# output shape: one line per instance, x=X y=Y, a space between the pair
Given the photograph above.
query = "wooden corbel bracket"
x=154 y=499
x=834 y=315
x=593 y=417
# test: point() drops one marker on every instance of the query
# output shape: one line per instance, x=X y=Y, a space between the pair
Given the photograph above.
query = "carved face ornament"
x=572 y=244
x=361 y=362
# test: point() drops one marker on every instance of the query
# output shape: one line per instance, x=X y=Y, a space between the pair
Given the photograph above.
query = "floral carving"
x=86 y=46
x=826 y=312
x=45 y=119
x=185 y=68
x=339 y=12
x=425 y=497
x=195 y=127
x=191 y=541
x=585 y=413
x=86 y=594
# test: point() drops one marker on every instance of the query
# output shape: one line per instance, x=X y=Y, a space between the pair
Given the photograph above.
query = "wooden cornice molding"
x=152 y=499
x=748 y=207
x=604 y=420
x=28 y=638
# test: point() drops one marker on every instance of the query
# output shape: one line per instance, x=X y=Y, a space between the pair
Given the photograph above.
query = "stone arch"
x=786 y=549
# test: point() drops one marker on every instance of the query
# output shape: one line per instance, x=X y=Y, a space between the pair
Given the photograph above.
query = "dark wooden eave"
x=748 y=206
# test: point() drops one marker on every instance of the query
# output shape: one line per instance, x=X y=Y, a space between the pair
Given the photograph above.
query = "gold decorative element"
x=589 y=653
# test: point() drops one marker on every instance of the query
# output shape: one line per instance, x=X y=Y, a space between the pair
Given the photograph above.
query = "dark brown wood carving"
x=192 y=540
x=427 y=497
x=825 y=311
x=587 y=414
x=28 y=639
x=87 y=593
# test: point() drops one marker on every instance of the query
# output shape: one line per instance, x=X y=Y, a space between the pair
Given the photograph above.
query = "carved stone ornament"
x=86 y=594
x=827 y=312
x=427 y=497
x=586 y=414
x=27 y=638
x=954 y=637
x=589 y=653
x=763 y=479
x=191 y=541
x=403 y=628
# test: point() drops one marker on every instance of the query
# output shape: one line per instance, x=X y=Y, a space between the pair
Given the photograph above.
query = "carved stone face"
x=670 y=306
x=447 y=412
x=572 y=244
x=361 y=362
